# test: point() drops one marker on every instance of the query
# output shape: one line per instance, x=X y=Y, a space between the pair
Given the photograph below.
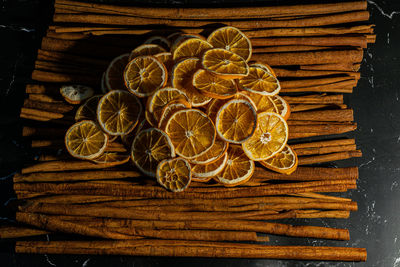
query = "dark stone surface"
x=375 y=226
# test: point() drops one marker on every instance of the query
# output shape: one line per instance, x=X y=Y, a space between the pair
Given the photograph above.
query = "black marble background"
x=375 y=101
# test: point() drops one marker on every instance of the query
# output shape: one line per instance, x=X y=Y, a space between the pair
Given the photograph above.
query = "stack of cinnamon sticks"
x=316 y=51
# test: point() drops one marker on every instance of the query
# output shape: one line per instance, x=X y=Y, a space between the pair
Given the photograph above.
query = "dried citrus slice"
x=232 y=39
x=213 y=86
x=76 y=94
x=150 y=118
x=282 y=106
x=144 y=75
x=114 y=75
x=161 y=98
x=260 y=81
x=284 y=162
x=159 y=40
x=103 y=87
x=87 y=111
x=182 y=77
x=201 y=171
x=146 y=50
x=263 y=103
x=191 y=131
x=149 y=148
x=236 y=121
x=127 y=139
x=213 y=154
x=170 y=109
x=265 y=67
x=225 y=64
x=269 y=138
x=180 y=38
x=85 y=140
x=238 y=169
x=118 y=112
x=193 y=47
x=213 y=108
x=173 y=36
x=112 y=159
x=166 y=59
x=174 y=174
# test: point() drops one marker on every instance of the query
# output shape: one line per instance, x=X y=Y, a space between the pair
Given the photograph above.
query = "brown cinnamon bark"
x=41 y=113
x=345 y=86
x=280 y=72
x=315 y=99
x=334 y=41
x=311 y=82
x=307 y=107
x=325 y=143
x=287 y=48
x=347 y=66
x=19 y=231
x=47 y=76
x=56 y=99
x=64 y=68
x=324 y=150
x=71 y=59
x=46 y=106
x=43 y=132
x=324 y=115
x=322 y=128
x=42 y=89
x=329 y=157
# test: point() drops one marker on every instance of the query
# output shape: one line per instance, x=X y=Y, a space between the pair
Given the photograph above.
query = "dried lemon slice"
x=174 y=174
x=76 y=94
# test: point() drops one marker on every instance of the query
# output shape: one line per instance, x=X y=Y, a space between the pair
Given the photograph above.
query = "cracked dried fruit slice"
x=118 y=112
x=174 y=174
x=87 y=111
x=114 y=75
x=260 y=81
x=191 y=131
x=213 y=86
x=149 y=148
x=202 y=171
x=236 y=121
x=146 y=50
x=213 y=154
x=145 y=75
x=76 y=94
x=161 y=98
x=282 y=106
x=238 y=169
x=284 y=162
x=112 y=159
x=232 y=39
x=225 y=64
x=269 y=138
x=193 y=47
x=85 y=140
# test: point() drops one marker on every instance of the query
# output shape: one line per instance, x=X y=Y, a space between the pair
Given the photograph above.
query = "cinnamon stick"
x=41 y=113
x=287 y=48
x=322 y=128
x=42 y=89
x=19 y=231
x=280 y=72
x=299 y=107
x=357 y=41
x=315 y=99
x=47 y=76
x=347 y=66
x=56 y=99
x=345 y=86
x=325 y=143
x=46 y=106
x=324 y=150
x=70 y=58
x=311 y=82
x=43 y=132
x=329 y=157
x=324 y=115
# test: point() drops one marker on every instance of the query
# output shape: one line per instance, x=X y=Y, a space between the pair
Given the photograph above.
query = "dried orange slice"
x=265 y=67
x=127 y=139
x=236 y=121
x=174 y=174
x=282 y=106
x=103 y=87
x=170 y=109
x=193 y=47
x=213 y=108
x=182 y=77
x=76 y=94
x=260 y=81
x=161 y=98
x=112 y=159
x=191 y=131
x=87 y=111
x=225 y=64
x=114 y=75
x=150 y=118
x=213 y=86
x=118 y=112
x=159 y=40
x=284 y=162
x=232 y=39
x=263 y=103
x=269 y=138
x=201 y=171
x=238 y=169
x=144 y=75
x=85 y=140
x=149 y=148
x=166 y=59
x=213 y=154
x=181 y=37
x=146 y=50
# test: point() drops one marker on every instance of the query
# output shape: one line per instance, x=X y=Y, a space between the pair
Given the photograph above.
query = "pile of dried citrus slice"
x=199 y=108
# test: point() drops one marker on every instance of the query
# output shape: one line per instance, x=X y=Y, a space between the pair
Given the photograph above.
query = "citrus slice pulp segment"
x=161 y=98
x=213 y=86
x=213 y=154
x=238 y=169
x=170 y=109
x=263 y=103
x=76 y=94
x=191 y=131
x=282 y=106
x=118 y=112
x=159 y=40
x=225 y=64
x=182 y=77
x=210 y=170
x=193 y=47
x=232 y=39
x=284 y=162
x=112 y=159
x=149 y=148
x=260 y=81
x=236 y=121
x=87 y=111
x=174 y=174
x=146 y=50
x=114 y=75
x=85 y=140
x=269 y=138
x=144 y=75
x=265 y=67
